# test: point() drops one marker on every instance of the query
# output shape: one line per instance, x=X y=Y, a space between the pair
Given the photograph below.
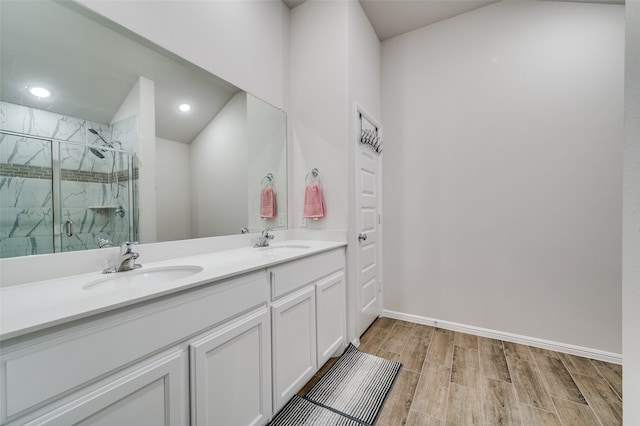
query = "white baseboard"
x=509 y=337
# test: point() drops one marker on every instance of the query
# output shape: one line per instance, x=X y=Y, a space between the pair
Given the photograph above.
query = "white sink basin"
x=141 y=277
x=288 y=246
x=285 y=248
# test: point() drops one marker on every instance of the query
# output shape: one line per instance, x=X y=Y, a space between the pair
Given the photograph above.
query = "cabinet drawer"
x=296 y=274
x=36 y=372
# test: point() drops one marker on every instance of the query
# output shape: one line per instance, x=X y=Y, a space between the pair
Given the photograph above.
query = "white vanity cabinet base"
x=153 y=393
x=331 y=316
x=36 y=371
x=231 y=373
x=294 y=344
x=222 y=353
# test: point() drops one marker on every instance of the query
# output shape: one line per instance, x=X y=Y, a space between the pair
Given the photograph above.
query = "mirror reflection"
x=124 y=119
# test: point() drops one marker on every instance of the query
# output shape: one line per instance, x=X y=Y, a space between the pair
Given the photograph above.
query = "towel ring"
x=269 y=180
x=312 y=177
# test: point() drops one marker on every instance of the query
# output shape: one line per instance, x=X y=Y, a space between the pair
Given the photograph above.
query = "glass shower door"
x=26 y=196
x=95 y=196
x=63 y=196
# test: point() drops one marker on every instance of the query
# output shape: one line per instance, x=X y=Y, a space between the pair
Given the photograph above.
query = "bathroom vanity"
x=227 y=343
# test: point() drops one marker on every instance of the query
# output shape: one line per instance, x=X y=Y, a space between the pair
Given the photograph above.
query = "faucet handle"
x=104 y=242
x=127 y=246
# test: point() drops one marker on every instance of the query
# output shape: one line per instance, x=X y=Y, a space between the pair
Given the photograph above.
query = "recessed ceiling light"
x=39 y=92
x=184 y=107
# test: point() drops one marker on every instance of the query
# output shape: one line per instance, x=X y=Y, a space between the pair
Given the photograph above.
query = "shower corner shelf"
x=102 y=207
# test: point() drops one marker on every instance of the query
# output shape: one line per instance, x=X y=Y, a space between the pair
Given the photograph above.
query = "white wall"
x=334 y=62
x=243 y=42
x=503 y=131
x=219 y=161
x=173 y=196
x=319 y=107
x=631 y=220
x=363 y=66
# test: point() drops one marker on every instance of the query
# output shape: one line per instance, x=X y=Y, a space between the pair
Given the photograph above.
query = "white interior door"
x=368 y=225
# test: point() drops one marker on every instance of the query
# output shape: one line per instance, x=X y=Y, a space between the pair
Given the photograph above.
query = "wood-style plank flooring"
x=451 y=378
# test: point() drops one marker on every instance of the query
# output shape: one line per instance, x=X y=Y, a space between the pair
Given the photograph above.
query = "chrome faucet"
x=126 y=260
x=263 y=239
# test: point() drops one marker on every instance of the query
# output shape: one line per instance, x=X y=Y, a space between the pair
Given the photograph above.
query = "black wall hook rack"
x=371 y=138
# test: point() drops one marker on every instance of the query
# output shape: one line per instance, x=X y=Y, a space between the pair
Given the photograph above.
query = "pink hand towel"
x=267 y=203
x=313 y=202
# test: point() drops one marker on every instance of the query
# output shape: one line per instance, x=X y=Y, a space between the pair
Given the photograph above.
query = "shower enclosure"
x=60 y=196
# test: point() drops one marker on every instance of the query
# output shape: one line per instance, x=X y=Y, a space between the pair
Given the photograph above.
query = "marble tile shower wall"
x=91 y=189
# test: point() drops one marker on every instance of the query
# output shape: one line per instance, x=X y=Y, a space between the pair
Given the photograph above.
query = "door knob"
x=362 y=236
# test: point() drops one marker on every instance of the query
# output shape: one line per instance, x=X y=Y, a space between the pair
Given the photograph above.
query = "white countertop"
x=35 y=306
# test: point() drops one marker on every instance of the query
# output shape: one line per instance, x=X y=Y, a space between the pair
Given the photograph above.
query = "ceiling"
x=390 y=18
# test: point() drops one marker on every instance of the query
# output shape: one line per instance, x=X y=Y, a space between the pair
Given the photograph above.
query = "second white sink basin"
x=141 y=277
x=285 y=249
x=288 y=246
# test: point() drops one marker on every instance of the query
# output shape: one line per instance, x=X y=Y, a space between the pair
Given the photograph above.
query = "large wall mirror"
x=124 y=117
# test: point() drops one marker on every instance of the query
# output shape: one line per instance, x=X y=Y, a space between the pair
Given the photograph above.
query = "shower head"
x=97 y=153
x=104 y=141
x=95 y=132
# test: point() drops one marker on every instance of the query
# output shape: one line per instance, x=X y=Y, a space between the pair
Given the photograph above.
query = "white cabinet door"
x=153 y=393
x=294 y=344
x=231 y=373
x=330 y=304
